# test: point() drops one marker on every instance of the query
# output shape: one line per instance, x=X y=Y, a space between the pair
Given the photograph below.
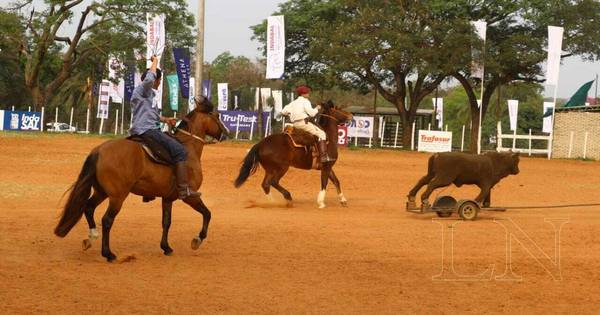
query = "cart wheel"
x=443 y=214
x=468 y=210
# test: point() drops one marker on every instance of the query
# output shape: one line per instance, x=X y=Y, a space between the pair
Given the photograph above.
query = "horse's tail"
x=249 y=166
x=80 y=192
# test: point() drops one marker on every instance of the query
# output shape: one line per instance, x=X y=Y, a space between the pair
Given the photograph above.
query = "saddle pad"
x=155 y=151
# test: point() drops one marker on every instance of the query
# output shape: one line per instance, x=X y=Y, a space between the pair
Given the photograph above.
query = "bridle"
x=331 y=117
x=187 y=133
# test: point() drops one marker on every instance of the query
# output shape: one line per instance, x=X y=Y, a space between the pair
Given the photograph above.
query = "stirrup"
x=186 y=193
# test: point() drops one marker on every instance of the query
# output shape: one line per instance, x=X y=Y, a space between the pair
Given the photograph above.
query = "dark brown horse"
x=119 y=167
x=276 y=153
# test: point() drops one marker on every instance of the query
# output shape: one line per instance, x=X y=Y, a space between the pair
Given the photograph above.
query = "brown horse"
x=276 y=153
x=119 y=167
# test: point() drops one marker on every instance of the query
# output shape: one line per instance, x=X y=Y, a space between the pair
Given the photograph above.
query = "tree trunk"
x=474 y=128
x=406 y=133
x=38 y=97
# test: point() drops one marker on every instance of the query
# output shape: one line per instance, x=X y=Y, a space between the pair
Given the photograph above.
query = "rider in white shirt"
x=299 y=111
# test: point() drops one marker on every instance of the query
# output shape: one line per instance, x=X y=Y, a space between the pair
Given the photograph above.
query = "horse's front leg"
x=336 y=182
x=325 y=170
x=167 y=206
x=198 y=205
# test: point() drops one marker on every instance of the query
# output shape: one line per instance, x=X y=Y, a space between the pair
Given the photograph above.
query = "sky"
x=227 y=25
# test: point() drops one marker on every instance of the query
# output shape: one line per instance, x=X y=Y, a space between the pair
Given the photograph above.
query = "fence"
x=529 y=138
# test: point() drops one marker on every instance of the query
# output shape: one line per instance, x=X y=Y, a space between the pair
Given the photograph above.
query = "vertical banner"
x=547 y=123
x=223 y=95
x=206 y=88
x=513 y=112
x=103 y=99
x=555 y=36
x=477 y=70
x=278 y=101
x=182 y=63
x=265 y=93
x=438 y=107
x=236 y=99
x=275 y=47
x=342 y=135
x=115 y=67
x=192 y=94
x=173 y=92
x=129 y=82
x=155 y=36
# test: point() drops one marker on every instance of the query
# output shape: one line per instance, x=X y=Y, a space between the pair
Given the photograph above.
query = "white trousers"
x=312 y=129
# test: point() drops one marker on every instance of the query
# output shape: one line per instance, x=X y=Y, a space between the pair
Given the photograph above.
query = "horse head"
x=340 y=115
x=202 y=121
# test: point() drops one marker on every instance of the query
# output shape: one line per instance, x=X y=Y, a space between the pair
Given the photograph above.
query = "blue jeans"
x=175 y=149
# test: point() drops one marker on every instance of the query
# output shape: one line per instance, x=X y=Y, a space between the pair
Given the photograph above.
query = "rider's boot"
x=183 y=187
x=323 y=152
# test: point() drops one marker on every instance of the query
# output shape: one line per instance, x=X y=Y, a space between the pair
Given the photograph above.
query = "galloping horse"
x=276 y=153
x=118 y=167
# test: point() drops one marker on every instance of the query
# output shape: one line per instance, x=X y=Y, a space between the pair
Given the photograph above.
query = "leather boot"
x=183 y=187
x=323 y=152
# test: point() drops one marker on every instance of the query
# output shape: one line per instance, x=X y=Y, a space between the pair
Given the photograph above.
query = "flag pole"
x=199 y=48
x=481 y=100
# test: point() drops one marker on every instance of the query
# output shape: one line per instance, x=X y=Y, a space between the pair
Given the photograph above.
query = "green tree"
x=110 y=26
x=516 y=43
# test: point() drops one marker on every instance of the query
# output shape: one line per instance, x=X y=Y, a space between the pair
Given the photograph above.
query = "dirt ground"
x=264 y=258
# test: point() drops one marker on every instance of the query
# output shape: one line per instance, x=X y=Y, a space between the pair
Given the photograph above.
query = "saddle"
x=155 y=151
x=305 y=140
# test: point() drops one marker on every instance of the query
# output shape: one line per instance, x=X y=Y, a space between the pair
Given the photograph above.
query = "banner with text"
x=342 y=135
x=555 y=36
x=19 y=120
x=207 y=88
x=275 y=47
x=192 y=94
x=173 y=92
x=438 y=106
x=223 y=89
x=155 y=37
x=245 y=120
x=435 y=141
x=182 y=63
x=360 y=127
x=103 y=99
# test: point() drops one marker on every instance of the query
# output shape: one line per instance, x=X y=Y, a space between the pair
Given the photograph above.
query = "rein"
x=191 y=135
x=329 y=116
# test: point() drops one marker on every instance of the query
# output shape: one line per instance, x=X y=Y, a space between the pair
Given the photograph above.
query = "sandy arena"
x=265 y=258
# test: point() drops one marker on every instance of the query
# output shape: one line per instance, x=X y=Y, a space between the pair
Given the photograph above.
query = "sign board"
x=360 y=127
x=241 y=120
x=435 y=141
x=21 y=121
x=342 y=135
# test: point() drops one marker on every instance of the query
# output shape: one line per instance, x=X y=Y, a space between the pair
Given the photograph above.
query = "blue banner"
x=231 y=119
x=206 y=88
x=182 y=63
x=129 y=82
x=18 y=120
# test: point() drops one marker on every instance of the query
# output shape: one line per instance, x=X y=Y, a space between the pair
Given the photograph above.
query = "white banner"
x=275 y=47
x=223 y=90
x=117 y=90
x=191 y=103
x=361 y=127
x=480 y=28
x=278 y=101
x=438 y=107
x=265 y=93
x=159 y=94
x=435 y=141
x=555 y=36
x=547 y=125
x=103 y=99
x=155 y=37
x=513 y=113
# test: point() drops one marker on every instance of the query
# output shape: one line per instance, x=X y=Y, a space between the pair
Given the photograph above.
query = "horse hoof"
x=110 y=258
x=321 y=206
x=86 y=244
x=289 y=204
x=344 y=203
x=196 y=242
x=168 y=252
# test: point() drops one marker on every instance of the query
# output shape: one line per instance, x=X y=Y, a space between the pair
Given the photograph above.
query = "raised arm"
x=151 y=75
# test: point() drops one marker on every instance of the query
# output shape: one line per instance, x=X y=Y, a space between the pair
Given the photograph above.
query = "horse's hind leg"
x=114 y=206
x=167 y=206
x=90 y=207
x=266 y=184
x=338 y=187
x=275 y=183
x=199 y=206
